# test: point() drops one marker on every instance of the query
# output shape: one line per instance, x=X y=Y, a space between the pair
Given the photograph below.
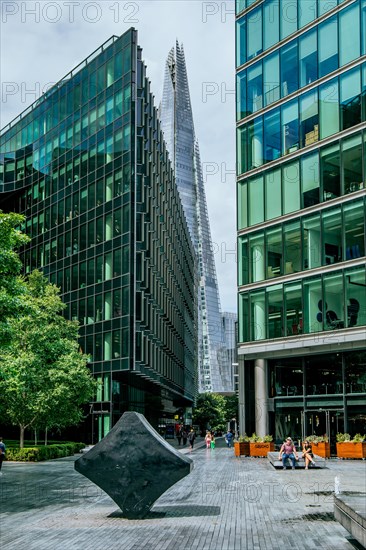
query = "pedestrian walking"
x=184 y=436
x=208 y=439
x=213 y=442
x=191 y=438
x=2 y=453
x=179 y=435
x=229 y=438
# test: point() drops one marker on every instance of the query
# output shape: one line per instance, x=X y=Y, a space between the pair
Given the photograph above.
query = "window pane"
x=291 y=187
x=272 y=135
x=242 y=205
x=256 y=258
x=352 y=164
x=307 y=12
x=288 y=20
x=271 y=23
x=313 y=309
x=255 y=143
x=254 y=33
x=275 y=311
x=256 y=200
x=241 y=91
x=289 y=76
x=309 y=119
x=330 y=172
x=274 y=253
x=332 y=236
x=333 y=289
x=328 y=46
x=328 y=103
x=243 y=319
x=350 y=98
x=356 y=297
x=310 y=179
x=255 y=87
x=240 y=41
x=293 y=309
x=311 y=242
x=257 y=316
x=243 y=261
x=290 y=127
x=273 y=194
x=308 y=58
x=271 y=80
x=349 y=37
x=354 y=227
x=241 y=145
x=292 y=247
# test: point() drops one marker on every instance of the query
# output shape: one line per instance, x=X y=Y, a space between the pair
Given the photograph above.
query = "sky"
x=41 y=41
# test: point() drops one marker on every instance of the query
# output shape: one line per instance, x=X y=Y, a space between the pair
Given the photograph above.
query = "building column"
x=261 y=397
x=241 y=419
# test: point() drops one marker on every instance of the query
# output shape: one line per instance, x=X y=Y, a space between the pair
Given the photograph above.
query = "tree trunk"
x=45 y=437
x=35 y=437
x=21 y=442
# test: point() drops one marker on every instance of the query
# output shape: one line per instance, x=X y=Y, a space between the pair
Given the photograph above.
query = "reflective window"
x=288 y=19
x=271 y=79
x=328 y=46
x=292 y=247
x=290 y=127
x=256 y=258
x=272 y=135
x=333 y=306
x=308 y=58
x=271 y=23
x=313 y=305
x=291 y=187
x=310 y=179
x=355 y=297
x=254 y=46
x=256 y=200
x=350 y=98
x=352 y=164
x=289 y=76
x=309 y=118
x=349 y=37
x=354 y=228
x=330 y=171
x=274 y=252
x=275 y=311
x=257 y=316
x=273 y=194
x=329 y=108
x=255 y=88
x=332 y=236
x=241 y=41
x=293 y=309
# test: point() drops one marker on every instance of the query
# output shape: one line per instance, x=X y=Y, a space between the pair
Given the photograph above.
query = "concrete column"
x=261 y=397
x=242 y=421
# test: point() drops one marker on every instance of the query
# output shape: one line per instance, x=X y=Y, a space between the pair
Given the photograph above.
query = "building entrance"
x=324 y=422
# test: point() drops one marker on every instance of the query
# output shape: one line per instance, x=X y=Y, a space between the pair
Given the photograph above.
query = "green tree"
x=12 y=287
x=44 y=379
x=231 y=406
x=210 y=411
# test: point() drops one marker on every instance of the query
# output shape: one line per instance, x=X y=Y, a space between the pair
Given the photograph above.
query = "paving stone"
x=226 y=503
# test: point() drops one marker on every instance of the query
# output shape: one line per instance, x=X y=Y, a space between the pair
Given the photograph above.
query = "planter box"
x=351 y=450
x=261 y=449
x=321 y=449
x=241 y=449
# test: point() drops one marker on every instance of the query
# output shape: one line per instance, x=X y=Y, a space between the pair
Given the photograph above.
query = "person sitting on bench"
x=288 y=450
x=307 y=453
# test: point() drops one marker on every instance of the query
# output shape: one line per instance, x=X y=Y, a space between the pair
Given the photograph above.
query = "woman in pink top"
x=288 y=450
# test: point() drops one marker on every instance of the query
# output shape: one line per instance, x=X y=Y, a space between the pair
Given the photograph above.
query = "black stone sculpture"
x=134 y=465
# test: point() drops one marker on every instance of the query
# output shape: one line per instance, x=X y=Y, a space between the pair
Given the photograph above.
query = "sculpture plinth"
x=134 y=465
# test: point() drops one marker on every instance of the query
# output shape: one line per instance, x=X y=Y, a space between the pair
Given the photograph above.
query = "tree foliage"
x=44 y=379
x=12 y=285
x=214 y=410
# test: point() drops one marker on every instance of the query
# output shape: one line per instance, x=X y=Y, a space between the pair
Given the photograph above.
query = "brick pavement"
x=226 y=503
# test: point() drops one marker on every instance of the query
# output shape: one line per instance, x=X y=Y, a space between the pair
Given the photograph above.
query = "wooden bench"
x=273 y=459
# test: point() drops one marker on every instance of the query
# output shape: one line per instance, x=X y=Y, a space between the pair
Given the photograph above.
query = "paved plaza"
x=226 y=503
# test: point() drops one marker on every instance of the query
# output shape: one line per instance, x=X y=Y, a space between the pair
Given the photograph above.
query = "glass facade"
x=88 y=166
x=301 y=178
x=214 y=367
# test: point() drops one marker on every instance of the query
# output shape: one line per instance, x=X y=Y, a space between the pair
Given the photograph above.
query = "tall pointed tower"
x=214 y=371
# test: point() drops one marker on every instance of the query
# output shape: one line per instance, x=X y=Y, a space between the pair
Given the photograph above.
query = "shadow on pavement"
x=176 y=511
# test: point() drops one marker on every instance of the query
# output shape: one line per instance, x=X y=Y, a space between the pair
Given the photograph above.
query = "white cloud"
x=36 y=51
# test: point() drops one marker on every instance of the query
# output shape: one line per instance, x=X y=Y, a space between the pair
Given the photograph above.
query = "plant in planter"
x=351 y=448
x=260 y=446
x=241 y=445
x=320 y=445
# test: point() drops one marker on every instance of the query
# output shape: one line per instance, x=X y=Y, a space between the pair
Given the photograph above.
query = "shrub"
x=358 y=438
x=43 y=452
x=242 y=439
x=343 y=438
x=317 y=439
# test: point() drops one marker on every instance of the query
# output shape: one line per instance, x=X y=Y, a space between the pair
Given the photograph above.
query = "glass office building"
x=88 y=167
x=301 y=173
x=214 y=369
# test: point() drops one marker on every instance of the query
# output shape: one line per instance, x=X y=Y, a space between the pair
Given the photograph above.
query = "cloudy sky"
x=41 y=41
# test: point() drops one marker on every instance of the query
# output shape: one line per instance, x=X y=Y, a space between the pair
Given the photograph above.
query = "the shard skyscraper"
x=214 y=371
